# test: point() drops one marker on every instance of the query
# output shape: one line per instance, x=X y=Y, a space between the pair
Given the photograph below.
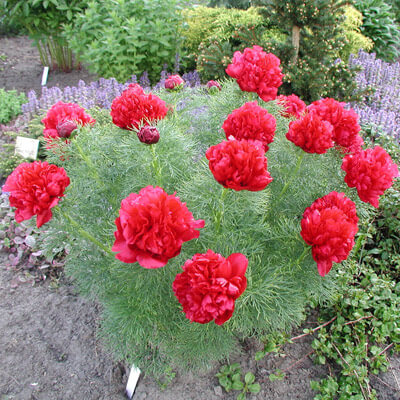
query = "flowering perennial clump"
x=251 y=122
x=209 y=285
x=134 y=108
x=371 y=172
x=329 y=226
x=268 y=275
x=151 y=227
x=35 y=188
x=239 y=165
x=256 y=71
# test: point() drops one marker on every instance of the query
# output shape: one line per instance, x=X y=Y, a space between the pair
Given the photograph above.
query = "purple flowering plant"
x=380 y=111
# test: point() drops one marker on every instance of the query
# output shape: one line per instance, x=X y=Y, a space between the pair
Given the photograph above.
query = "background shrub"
x=118 y=38
x=379 y=24
x=355 y=40
x=211 y=37
x=43 y=21
x=8 y=28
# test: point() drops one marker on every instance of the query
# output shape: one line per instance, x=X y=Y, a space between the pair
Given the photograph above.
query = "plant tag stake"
x=26 y=147
x=44 y=75
x=132 y=381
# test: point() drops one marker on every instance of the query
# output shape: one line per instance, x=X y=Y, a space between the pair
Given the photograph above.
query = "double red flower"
x=35 y=188
x=311 y=133
x=329 y=226
x=152 y=227
x=57 y=117
x=345 y=123
x=251 y=122
x=239 y=165
x=209 y=285
x=134 y=108
x=371 y=172
x=256 y=71
x=293 y=106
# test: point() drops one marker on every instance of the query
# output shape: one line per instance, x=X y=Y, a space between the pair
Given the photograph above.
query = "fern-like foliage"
x=143 y=321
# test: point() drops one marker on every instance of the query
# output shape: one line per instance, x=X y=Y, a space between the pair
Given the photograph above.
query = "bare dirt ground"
x=48 y=344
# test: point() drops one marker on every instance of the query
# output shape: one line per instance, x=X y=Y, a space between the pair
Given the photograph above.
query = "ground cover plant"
x=10 y=105
x=242 y=220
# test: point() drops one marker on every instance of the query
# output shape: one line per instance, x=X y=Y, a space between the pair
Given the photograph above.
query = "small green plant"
x=230 y=378
x=10 y=104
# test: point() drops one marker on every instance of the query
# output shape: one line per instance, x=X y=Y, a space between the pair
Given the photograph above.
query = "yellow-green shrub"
x=206 y=22
x=356 y=40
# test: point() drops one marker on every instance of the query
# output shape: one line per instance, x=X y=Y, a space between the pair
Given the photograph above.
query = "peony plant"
x=214 y=222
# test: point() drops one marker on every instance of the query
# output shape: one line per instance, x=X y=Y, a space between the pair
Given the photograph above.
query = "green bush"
x=8 y=28
x=395 y=8
x=211 y=35
x=43 y=20
x=10 y=104
x=379 y=24
x=315 y=29
x=118 y=38
x=142 y=318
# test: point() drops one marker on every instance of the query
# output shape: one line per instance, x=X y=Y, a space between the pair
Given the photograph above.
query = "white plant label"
x=132 y=381
x=26 y=147
x=44 y=75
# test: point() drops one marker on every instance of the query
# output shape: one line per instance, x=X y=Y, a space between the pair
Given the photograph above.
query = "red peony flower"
x=256 y=71
x=329 y=226
x=134 y=107
x=239 y=165
x=345 y=123
x=293 y=106
x=371 y=172
x=311 y=134
x=63 y=112
x=152 y=226
x=148 y=134
x=251 y=122
x=174 y=82
x=209 y=285
x=35 y=188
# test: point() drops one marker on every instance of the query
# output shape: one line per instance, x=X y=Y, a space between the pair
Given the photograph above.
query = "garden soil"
x=49 y=349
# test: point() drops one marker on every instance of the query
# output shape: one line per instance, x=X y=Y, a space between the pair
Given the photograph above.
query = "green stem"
x=156 y=165
x=303 y=255
x=91 y=166
x=220 y=213
x=86 y=234
x=286 y=186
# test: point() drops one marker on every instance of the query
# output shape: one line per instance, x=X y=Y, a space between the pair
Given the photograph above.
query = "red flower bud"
x=213 y=86
x=174 y=82
x=64 y=129
x=148 y=134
